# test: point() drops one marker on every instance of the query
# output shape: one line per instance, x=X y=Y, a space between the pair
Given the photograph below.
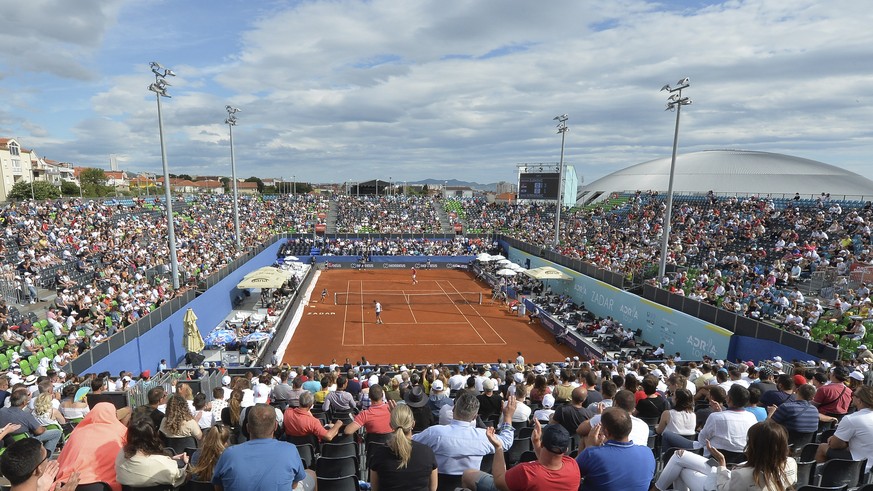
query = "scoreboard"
x=538 y=185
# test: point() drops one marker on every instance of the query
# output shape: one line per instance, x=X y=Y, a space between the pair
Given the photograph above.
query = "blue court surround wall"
x=164 y=341
x=680 y=332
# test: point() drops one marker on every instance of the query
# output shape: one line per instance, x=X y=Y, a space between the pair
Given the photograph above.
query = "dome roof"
x=736 y=171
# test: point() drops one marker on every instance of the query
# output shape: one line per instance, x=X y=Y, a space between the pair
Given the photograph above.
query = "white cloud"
x=352 y=90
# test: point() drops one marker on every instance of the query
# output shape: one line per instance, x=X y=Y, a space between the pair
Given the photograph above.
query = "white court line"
x=346 y=313
x=410 y=309
x=298 y=315
x=414 y=344
x=462 y=314
x=363 y=321
x=478 y=313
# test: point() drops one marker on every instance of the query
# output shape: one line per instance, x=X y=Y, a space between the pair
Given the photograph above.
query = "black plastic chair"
x=528 y=456
x=445 y=482
x=841 y=472
x=487 y=463
x=157 y=487
x=805 y=473
x=179 y=444
x=807 y=453
x=797 y=440
x=193 y=485
x=519 y=446
x=346 y=483
x=819 y=488
x=733 y=457
x=307 y=454
x=336 y=467
x=337 y=450
x=97 y=486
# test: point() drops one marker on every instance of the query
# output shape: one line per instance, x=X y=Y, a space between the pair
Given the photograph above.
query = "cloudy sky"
x=349 y=90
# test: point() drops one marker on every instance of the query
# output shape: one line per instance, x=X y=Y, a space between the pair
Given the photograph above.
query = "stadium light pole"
x=562 y=129
x=294 y=183
x=160 y=89
x=674 y=102
x=231 y=122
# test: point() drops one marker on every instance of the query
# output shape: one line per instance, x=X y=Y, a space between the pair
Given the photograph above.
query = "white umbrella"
x=517 y=268
x=484 y=257
x=504 y=261
x=498 y=257
x=292 y=258
x=506 y=272
x=547 y=273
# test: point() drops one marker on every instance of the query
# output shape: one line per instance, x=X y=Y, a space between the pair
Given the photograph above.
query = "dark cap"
x=841 y=374
x=555 y=439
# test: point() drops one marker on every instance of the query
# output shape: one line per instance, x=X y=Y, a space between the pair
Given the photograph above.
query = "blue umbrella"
x=256 y=336
x=220 y=337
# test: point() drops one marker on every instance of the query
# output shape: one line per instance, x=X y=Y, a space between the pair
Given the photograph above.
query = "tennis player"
x=323 y=295
x=378 y=308
x=414 y=281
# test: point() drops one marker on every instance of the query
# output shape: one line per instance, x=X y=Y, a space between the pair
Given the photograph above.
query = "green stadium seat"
x=25 y=368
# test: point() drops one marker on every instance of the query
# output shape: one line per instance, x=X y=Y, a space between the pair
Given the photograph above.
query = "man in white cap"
x=225 y=386
x=438 y=397
x=863 y=353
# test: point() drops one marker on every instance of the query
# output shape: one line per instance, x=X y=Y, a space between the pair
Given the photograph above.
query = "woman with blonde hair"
x=403 y=464
x=178 y=422
x=204 y=459
x=45 y=413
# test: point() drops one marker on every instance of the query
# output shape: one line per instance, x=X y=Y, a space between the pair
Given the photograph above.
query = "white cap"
x=548 y=401
x=777 y=358
x=857 y=376
x=437 y=386
x=518 y=377
x=225 y=380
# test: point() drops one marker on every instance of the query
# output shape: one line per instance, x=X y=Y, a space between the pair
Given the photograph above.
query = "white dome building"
x=734 y=172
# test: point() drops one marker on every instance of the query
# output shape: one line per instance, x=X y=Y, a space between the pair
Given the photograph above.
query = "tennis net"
x=357 y=298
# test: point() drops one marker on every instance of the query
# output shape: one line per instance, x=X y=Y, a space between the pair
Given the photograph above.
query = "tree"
x=225 y=181
x=69 y=188
x=40 y=190
x=257 y=180
x=186 y=177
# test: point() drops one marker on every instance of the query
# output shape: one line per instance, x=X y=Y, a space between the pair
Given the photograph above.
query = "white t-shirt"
x=639 y=432
x=857 y=430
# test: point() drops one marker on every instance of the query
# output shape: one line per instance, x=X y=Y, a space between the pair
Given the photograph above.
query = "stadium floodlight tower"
x=160 y=90
x=562 y=129
x=231 y=122
x=674 y=103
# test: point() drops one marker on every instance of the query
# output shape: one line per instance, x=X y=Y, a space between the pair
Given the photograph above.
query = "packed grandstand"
x=77 y=273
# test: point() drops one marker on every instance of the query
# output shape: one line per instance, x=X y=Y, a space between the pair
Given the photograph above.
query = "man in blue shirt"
x=262 y=462
x=610 y=461
x=799 y=415
x=459 y=445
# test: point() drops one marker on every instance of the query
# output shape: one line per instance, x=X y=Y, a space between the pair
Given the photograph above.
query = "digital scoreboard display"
x=538 y=185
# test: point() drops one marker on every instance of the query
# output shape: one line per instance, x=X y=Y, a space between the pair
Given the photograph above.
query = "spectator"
x=93 y=446
x=727 y=428
x=141 y=462
x=783 y=394
x=71 y=409
x=833 y=399
x=376 y=420
x=552 y=470
x=202 y=414
x=417 y=401
x=178 y=422
x=203 y=461
x=460 y=445
x=339 y=401
x=678 y=422
x=650 y=407
x=570 y=416
x=262 y=462
x=403 y=464
x=854 y=436
x=17 y=415
x=490 y=402
x=301 y=426
x=610 y=460
x=799 y=415
x=26 y=465
x=438 y=397
x=768 y=466
x=544 y=415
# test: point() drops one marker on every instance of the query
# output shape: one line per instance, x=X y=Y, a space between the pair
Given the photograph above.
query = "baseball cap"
x=489 y=385
x=799 y=379
x=225 y=380
x=437 y=385
x=765 y=372
x=548 y=401
x=841 y=373
x=857 y=376
x=555 y=438
x=518 y=377
x=862 y=347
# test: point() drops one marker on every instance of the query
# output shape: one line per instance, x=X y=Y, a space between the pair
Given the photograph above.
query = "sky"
x=345 y=90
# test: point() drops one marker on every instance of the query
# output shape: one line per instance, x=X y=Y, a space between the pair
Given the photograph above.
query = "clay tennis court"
x=437 y=320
